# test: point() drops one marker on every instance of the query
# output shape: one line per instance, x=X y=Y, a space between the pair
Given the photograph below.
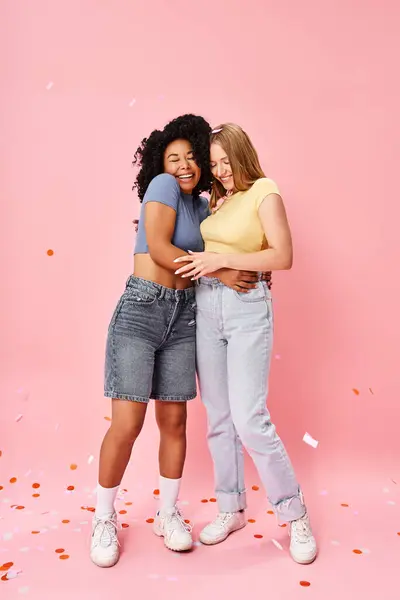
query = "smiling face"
x=221 y=167
x=179 y=162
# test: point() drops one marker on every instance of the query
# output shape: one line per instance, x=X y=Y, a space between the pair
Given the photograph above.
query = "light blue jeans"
x=234 y=345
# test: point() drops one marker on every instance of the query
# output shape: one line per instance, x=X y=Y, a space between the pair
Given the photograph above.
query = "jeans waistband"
x=145 y=285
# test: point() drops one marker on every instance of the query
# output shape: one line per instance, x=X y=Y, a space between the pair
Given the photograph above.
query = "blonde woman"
x=247 y=230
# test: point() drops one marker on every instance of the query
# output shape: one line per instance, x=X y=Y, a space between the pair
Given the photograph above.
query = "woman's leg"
x=249 y=329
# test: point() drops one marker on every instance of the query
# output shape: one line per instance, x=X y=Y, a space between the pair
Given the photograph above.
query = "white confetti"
x=28 y=473
x=310 y=440
x=277 y=544
x=49 y=86
x=197 y=544
x=7 y=536
x=184 y=503
x=12 y=574
x=335 y=543
x=19 y=418
x=132 y=102
x=24 y=549
x=78 y=529
x=386 y=490
x=365 y=551
x=391 y=503
x=6 y=500
x=23 y=590
x=84 y=523
x=90 y=459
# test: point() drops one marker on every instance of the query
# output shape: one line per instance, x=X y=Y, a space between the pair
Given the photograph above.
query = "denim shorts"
x=151 y=344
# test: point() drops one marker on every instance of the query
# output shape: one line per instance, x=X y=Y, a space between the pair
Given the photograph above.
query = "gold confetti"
x=356 y=392
x=50 y=252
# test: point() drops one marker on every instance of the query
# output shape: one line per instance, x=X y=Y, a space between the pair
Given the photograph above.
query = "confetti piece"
x=125 y=525
x=305 y=583
x=35 y=532
x=255 y=488
x=156 y=492
x=395 y=482
x=356 y=392
x=283 y=525
x=270 y=512
x=49 y=86
x=13 y=574
x=204 y=501
x=128 y=503
x=357 y=551
x=7 y=536
x=365 y=551
x=132 y=102
x=57 y=426
x=13 y=480
x=391 y=502
x=50 y=252
x=251 y=520
x=65 y=521
x=123 y=512
x=64 y=556
x=4 y=578
x=20 y=507
x=90 y=459
x=149 y=520
x=6 y=566
x=258 y=536
x=345 y=505
x=213 y=499
x=23 y=590
x=1 y=488
x=277 y=544
x=24 y=549
x=19 y=418
x=70 y=488
x=310 y=440
x=73 y=467
x=36 y=486
x=370 y=391
x=35 y=495
x=107 y=418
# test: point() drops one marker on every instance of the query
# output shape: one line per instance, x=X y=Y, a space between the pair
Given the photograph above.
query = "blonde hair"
x=243 y=158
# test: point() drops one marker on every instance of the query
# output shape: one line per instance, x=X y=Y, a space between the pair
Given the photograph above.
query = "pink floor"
x=359 y=514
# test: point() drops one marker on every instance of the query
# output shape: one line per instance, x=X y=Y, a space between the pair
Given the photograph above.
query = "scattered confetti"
x=7 y=536
x=23 y=590
x=20 y=507
x=36 y=486
x=19 y=418
x=391 y=502
x=149 y=520
x=24 y=549
x=64 y=556
x=282 y=525
x=123 y=512
x=35 y=532
x=370 y=391
x=49 y=86
x=90 y=459
x=70 y=488
x=65 y=521
x=258 y=536
x=213 y=499
x=6 y=566
x=107 y=418
x=356 y=392
x=204 y=500
x=128 y=503
x=305 y=583
x=35 y=495
x=277 y=544
x=255 y=488
x=50 y=252
x=1 y=488
x=357 y=551
x=251 y=520
x=13 y=574
x=13 y=480
x=310 y=440
x=345 y=505
x=132 y=102
x=125 y=525
x=156 y=492
x=73 y=467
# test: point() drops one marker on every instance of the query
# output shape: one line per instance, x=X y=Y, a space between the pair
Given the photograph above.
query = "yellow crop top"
x=236 y=227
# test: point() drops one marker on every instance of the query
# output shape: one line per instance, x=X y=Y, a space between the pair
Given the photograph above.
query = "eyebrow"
x=175 y=154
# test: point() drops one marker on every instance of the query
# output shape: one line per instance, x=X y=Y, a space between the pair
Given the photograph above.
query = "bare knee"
x=172 y=422
x=125 y=433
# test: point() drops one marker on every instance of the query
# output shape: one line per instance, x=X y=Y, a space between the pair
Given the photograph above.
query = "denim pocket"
x=139 y=296
x=257 y=294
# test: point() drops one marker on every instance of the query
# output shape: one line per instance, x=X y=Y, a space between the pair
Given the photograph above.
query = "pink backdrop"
x=315 y=87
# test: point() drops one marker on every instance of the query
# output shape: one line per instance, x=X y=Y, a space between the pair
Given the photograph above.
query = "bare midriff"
x=146 y=268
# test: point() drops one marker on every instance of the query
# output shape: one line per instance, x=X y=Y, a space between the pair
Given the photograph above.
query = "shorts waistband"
x=162 y=292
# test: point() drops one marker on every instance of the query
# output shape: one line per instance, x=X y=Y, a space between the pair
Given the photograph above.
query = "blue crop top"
x=190 y=213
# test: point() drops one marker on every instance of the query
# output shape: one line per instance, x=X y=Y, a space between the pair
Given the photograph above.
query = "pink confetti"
x=310 y=440
x=49 y=86
x=132 y=102
x=19 y=418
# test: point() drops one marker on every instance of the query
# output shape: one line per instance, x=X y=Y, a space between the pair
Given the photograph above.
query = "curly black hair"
x=150 y=154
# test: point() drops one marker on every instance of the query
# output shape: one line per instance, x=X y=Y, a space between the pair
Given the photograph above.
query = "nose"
x=184 y=164
x=220 y=169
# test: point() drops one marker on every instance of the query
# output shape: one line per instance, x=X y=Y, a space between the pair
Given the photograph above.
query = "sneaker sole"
x=158 y=533
x=104 y=566
x=214 y=543
x=304 y=561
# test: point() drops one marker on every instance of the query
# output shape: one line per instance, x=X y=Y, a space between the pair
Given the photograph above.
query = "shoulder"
x=203 y=208
x=265 y=186
x=164 y=189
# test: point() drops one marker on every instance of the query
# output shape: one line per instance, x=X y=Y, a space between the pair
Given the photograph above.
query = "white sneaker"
x=104 y=548
x=221 y=527
x=303 y=547
x=170 y=525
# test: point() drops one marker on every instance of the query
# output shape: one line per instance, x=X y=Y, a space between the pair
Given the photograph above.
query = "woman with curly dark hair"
x=151 y=338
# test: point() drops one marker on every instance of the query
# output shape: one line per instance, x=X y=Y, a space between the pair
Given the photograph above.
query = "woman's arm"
x=278 y=256
x=159 y=223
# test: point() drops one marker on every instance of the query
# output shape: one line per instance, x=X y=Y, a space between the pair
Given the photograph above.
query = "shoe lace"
x=301 y=530
x=222 y=519
x=108 y=532
x=177 y=517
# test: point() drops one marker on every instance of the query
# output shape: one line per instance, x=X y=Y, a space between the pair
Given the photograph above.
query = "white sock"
x=105 y=500
x=169 y=491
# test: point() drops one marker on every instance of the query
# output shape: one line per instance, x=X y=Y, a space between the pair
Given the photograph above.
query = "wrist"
x=225 y=262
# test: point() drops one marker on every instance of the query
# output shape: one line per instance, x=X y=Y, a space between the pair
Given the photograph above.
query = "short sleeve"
x=164 y=189
x=204 y=209
x=265 y=187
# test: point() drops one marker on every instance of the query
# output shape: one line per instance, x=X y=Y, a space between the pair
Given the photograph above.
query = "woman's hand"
x=240 y=281
x=199 y=264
